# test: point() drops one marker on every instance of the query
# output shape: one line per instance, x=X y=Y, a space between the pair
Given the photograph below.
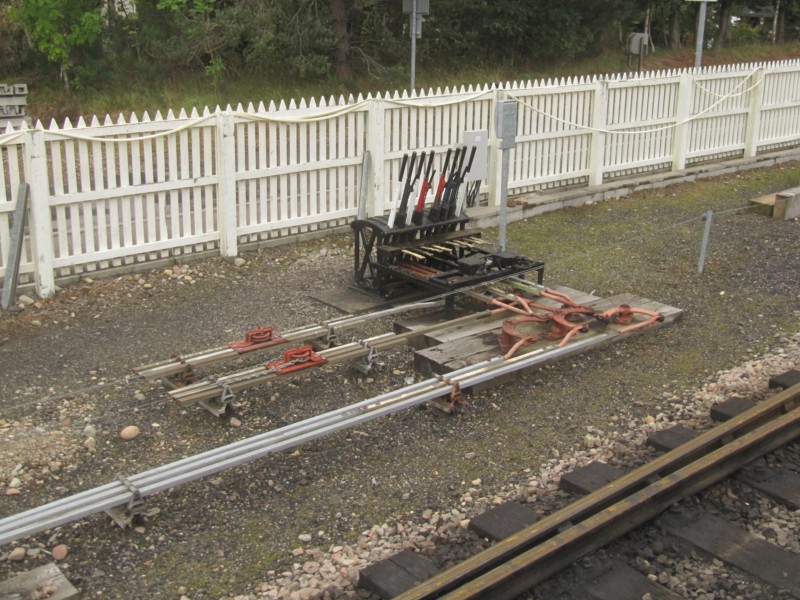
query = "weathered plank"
x=730 y=408
x=622 y=582
x=785 y=380
x=737 y=547
x=669 y=439
x=503 y=520
x=452 y=349
x=779 y=483
x=585 y=480
x=396 y=574
x=46 y=581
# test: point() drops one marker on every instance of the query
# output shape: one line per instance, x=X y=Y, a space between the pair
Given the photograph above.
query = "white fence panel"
x=12 y=173
x=117 y=194
x=553 y=142
x=720 y=108
x=780 y=110
x=131 y=192
x=297 y=168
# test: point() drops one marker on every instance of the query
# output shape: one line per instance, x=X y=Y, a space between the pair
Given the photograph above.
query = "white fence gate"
x=120 y=193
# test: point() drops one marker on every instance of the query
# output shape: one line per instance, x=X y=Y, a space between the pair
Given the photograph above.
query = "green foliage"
x=286 y=43
x=59 y=28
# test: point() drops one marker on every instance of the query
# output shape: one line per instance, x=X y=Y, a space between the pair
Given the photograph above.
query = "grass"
x=138 y=93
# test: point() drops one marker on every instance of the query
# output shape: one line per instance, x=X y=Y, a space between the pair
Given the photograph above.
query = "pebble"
x=239 y=262
x=60 y=552
x=234 y=422
x=17 y=554
x=26 y=300
x=129 y=432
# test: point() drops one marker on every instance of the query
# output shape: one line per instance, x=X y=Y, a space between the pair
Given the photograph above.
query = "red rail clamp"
x=256 y=339
x=295 y=359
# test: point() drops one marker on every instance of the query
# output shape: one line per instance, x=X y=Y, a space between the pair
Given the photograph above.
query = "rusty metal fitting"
x=623 y=315
x=256 y=339
x=295 y=359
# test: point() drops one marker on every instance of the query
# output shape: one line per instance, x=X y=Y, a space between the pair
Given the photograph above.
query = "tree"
x=724 y=33
x=60 y=28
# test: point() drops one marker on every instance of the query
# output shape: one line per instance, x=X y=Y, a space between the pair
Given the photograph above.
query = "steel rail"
x=209 y=389
x=118 y=493
x=527 y=557
x=175 y=365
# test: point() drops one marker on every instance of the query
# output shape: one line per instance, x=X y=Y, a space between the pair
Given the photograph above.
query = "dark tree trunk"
x=780 y=23
x=675 y=28
x=341 y=40
x=724 y=34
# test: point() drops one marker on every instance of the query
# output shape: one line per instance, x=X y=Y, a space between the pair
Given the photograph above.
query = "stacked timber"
x=13 y=103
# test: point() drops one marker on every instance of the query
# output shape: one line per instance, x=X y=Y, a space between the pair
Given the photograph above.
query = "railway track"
x=523 y=560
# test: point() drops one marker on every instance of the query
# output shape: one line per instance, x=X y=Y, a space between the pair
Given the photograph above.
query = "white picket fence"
x=130 y=192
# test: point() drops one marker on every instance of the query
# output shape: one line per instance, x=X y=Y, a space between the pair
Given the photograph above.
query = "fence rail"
x=128 y=192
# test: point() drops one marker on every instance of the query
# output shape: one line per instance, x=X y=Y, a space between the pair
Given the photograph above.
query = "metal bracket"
x=366 y=363
x=330 y=340
x=124 y=516
x=219 y=406
x=184 y=377
x=456 y=396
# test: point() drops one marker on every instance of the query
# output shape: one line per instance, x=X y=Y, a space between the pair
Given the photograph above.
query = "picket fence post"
x=598 y=145
x=226 y=186
x=680 y=139
x=494 y=169
x=41 y=227
x=376 y=146
x=754 y=117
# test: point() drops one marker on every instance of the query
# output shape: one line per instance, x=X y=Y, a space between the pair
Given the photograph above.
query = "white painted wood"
x=226 y=190
x=40 y=224
x=597 y=150
x=191 y=184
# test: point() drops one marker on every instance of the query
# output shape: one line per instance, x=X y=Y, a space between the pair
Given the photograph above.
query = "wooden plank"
x=785 y=380
x=622 y=582
x=15 y=246
x=585 y=480
x=396 y=574
x=779 y=483
x=46 y=581
x=503 y=520
x=737 y=547
x=669 y=439
x=730 y=408
x=466 y=345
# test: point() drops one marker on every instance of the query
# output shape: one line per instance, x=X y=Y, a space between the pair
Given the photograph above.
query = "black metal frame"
x=379 y=253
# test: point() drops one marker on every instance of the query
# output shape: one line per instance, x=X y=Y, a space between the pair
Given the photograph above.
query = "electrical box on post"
x=638 y=43
x=480 y=141
x=505 y=124
x=423 y=7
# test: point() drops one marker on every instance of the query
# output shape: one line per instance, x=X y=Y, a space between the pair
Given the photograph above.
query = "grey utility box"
x=505 y=124
x=423 y=7
x=638 y=43
x=480 y=140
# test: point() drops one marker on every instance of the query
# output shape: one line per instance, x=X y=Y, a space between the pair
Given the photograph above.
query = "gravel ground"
x=66 y=392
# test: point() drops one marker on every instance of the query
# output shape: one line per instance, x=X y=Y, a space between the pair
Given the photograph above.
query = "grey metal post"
x=413 y=43
x=704 y=246
x=701 y=27
x=503 y=200
x=15 y=247
x=505 y=130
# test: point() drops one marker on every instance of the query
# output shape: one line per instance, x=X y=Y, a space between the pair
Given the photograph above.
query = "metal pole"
x=413 y=43
x=503 y=200
x=704 y=246
x=701 y=27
